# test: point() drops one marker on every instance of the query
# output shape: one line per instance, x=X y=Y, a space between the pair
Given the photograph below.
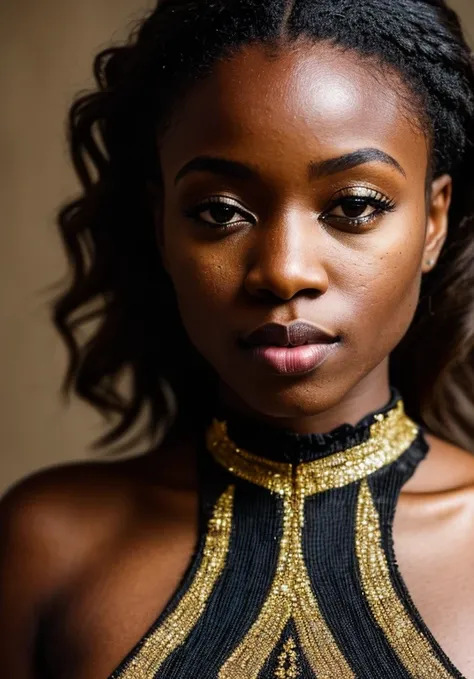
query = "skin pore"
x=108 y=544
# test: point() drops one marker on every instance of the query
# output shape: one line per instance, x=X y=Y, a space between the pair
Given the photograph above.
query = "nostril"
x=267 y=295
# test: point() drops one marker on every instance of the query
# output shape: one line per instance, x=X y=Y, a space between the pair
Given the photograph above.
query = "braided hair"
x=117 y=279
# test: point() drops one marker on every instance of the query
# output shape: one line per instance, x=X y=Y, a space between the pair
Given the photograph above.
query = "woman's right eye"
x=219 y=214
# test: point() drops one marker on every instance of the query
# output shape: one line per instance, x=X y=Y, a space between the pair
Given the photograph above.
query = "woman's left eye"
x=357 y=209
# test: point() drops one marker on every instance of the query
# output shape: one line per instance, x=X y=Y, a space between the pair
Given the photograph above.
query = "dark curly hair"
x=117 y=279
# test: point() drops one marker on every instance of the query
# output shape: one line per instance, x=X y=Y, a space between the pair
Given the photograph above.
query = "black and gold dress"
x=295 y=576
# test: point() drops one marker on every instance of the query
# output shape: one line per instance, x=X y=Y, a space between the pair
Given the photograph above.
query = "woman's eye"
x=353 y=208
x=219 y=214
x=357 y=210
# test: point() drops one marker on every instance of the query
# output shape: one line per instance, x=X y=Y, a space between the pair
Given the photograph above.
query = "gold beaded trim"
x=178 y=625
x=410 y=645
x=290 y=597
x=287 y=664
x=389 y=437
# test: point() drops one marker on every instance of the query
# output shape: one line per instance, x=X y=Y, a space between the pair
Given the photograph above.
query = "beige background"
x=46 y=52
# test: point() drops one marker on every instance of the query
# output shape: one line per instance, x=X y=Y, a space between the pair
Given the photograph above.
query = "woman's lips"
x=293 y=360
x=295 y=334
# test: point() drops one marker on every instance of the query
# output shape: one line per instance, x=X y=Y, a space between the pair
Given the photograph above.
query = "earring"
x=430 y=262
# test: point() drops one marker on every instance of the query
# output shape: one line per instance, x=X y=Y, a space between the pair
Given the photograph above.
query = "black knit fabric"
x=329 y=552
x=283 y=445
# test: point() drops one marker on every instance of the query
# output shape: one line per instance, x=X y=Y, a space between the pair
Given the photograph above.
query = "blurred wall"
x=465 y=8
x=46 y=52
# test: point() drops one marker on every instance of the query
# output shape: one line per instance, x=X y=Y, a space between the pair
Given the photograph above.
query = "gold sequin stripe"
x=274 y=476
x=410 y=645
x=290 y=597
x=178 y=625
x=390 y=436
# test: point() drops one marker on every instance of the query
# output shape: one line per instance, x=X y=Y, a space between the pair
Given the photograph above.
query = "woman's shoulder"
x=57 y=516
x=69 y=492
x=53 y=525
x=447 y=468
x=60 y=516
x=59 y=526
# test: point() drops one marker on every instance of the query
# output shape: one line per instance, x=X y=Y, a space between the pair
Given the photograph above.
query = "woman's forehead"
x=319 y=100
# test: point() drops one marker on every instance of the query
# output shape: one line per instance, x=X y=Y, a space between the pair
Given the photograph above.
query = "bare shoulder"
x=59 y=525
x=51 y=525
x=447 y=468
x=60 y=517
x=56 y=517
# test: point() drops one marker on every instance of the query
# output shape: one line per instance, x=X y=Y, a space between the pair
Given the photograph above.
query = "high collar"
x=284 y=445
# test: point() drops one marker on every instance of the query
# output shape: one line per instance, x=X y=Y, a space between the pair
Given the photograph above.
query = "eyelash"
x=367 y=197
x=195 y=212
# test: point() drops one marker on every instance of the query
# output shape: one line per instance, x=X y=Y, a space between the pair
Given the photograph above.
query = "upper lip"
x=294 y=335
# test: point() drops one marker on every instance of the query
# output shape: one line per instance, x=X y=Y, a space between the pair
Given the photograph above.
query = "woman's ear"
x=155 y=202
x=437 y=227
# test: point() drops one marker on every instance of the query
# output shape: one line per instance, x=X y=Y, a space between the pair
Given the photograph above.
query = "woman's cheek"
x=203 y=287
x=388 y=298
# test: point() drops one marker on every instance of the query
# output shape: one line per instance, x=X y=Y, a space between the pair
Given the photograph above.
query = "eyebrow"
x=220 y=166
x=236 y=170
x=350 y=160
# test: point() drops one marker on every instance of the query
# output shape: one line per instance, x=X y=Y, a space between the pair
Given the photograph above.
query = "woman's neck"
x=376 y=431
x=367 y=396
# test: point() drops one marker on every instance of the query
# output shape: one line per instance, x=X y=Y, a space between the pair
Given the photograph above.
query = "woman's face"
x=294 y=190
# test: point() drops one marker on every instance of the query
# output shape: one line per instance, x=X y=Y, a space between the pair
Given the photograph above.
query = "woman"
x=277 y=221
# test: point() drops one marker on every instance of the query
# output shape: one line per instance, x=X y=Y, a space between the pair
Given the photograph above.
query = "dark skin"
x=91 y=553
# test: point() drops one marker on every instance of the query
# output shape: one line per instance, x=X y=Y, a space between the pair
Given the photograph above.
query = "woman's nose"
x=287 y=259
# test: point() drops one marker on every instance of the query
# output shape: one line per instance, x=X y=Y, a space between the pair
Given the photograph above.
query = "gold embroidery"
x=274 y=476
x=410 y=645
x=290 y=597
x=287 y=666
x=177 y=626
x=390 y=436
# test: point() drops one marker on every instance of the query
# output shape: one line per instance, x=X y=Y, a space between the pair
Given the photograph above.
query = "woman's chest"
x=240 y=579
x=112 y=603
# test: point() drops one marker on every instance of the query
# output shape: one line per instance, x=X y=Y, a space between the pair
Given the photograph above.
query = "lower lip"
x=294 y=360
